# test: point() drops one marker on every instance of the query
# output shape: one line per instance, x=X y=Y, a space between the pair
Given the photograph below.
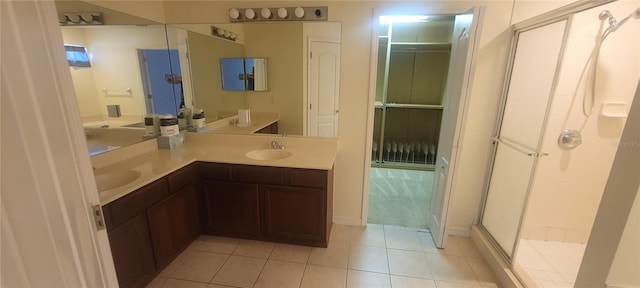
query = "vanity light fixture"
x=283 y=14
x=80 y=18
x=224 y=34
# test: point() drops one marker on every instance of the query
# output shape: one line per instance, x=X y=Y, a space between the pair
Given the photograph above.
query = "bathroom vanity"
x=211 y=186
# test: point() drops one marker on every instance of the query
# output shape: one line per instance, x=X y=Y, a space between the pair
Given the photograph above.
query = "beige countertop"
x=259 y=120
x=153 y=163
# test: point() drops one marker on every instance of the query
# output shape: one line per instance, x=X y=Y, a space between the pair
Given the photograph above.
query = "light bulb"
x=249 y=13
x=299 y=12
x=227 y=34
x=75 y=18
x=233 y=36
x=234 y=13
x=282 y=13
x=87 y=17
x=220 y=32
x=266 y=13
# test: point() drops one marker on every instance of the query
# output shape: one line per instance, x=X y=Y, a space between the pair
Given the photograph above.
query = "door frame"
x=462 y=107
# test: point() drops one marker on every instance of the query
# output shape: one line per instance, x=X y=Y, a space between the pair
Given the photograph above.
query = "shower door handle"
x=518 y=148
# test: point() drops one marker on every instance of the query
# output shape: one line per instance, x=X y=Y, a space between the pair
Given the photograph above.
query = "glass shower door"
x=531 y=84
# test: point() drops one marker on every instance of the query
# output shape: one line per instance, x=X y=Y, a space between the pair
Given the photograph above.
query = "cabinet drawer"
x=182 y=178
x=215 y=171
x=258 y=174
x=125 y=208
x=308 y=178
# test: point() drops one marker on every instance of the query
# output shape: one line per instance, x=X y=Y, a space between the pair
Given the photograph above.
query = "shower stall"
x=571 y=79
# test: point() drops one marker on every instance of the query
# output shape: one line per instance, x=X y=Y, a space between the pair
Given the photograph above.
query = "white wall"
x=83 y=83
x=569 y=183
x=114 y=60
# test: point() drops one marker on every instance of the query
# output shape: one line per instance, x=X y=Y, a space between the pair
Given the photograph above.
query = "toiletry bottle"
x=198 y=118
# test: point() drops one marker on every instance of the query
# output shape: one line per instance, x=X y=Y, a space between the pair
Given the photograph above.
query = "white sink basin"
x=268 y=154
x=111 y=180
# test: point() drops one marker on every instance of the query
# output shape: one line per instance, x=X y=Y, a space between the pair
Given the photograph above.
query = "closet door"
x=517 y=145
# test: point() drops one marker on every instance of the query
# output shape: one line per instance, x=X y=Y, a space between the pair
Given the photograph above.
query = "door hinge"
x=311 y=55
x=98 y=217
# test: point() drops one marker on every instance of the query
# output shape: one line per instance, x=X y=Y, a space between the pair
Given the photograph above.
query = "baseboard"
x=459 y=231
x=347 y=221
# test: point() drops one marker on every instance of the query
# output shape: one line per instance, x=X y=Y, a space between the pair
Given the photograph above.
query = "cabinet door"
x=294 y=214
x=232 y=209
x=173 y=224
x=132 y=254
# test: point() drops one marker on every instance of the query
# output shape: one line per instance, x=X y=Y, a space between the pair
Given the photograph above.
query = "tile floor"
x=375 y=256
x=551 y=264
x=400 y=197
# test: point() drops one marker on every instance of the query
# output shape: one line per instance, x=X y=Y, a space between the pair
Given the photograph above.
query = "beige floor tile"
x=450 y=268
x=468 y=249
x=252 y=248
x=402 y=239
x=367 y=236
x=362 y=279
x=280 y=274
x=218 y=286
x=451 y=247
x=324 y=277
x=340 y=233
x=408 y=263
x=291 y=253
x=156 y=282
x=449 y=284
x=200 y=266
x=408 y=282
x=365 y=258
x=239 y=271
x=483 y=273
x=175 y=264
x=177 y=283
x=214 y=244
x=335 y=255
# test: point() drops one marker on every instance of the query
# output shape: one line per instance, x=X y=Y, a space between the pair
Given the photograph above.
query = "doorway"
x=162 y=87
x=423 y=67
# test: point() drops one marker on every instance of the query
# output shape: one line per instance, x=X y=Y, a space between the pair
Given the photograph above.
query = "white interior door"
x=47 y=235
x=324 y=88
x=452 y=120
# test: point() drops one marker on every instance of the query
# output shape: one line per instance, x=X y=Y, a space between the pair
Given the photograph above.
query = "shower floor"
x=400 y=197
x=550 y=264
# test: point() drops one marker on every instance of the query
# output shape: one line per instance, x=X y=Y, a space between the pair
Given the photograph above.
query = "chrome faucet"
x=279 y=145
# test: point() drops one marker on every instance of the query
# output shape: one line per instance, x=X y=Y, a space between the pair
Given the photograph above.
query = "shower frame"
x=564 y=13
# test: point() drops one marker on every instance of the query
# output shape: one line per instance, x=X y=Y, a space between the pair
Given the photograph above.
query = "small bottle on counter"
x=198 y=120
x=168 y=125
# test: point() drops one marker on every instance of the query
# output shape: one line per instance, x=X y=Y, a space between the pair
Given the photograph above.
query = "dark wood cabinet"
x=149 y=227
x=131 y=252
x=173 y=224
x=232 y=208
x=267 y=203
x=271 y=129
x=294 y=213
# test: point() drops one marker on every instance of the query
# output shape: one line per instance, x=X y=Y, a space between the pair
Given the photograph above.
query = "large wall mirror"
x=121 y=51
x=285 y=46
